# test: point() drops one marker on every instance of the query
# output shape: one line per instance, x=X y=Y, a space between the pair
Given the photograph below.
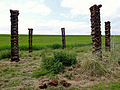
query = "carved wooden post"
x=14 y=35
x=30 y=39
x=96 y=30
x=107 y=36
x=63 y=38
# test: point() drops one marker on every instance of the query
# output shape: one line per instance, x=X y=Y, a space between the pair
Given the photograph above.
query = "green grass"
x=44 y=41
x=107 y=86
x=20 y=74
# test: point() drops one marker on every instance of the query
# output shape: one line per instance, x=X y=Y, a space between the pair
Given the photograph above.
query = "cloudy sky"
x=48 y=16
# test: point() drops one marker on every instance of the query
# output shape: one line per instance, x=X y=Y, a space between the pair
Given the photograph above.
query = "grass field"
x=44 y=41
x=19 y=75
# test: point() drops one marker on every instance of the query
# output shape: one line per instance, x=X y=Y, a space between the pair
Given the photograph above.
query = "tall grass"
x=94 y=67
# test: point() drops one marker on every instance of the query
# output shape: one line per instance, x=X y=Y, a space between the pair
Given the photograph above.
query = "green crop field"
x=44 y=41
x=87 y=72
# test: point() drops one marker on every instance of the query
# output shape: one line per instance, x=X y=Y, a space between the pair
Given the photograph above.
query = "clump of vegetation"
x=94 y=67
x=69 y=76
x=67 y=59
x=5 y=54
x=52 y=65
x=56 y=63
x=56 y=46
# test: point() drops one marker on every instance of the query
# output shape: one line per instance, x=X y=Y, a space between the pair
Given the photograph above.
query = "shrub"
x=54 y=65
x=56 y=46
x=5 y=54
x=67 y=59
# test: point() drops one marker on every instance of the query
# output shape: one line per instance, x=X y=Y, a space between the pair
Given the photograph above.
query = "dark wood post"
x=96 y=30
x=14 y=35
x=107 y=36
x=30 y=39
x=63 y=38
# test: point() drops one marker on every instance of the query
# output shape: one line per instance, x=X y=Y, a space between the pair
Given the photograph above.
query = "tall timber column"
x=107 y=36
x=96 y=30
x=30 y=39
x=63 y=38
x=14 y=35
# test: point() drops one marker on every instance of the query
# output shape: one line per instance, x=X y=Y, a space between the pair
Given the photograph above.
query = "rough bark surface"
x=96 y=30
x=107 y=36
x=14 y=35
x=30 y=39
x=63 y=38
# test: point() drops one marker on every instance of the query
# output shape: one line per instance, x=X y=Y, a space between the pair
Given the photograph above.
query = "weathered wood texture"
x=63 y=38
x=107 y=36
x=14 y=35
x=30 y=39
x=96 y=30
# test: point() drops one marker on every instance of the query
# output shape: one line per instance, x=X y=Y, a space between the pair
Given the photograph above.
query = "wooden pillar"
x=14 y=35
x=107 y=36
x=96 y=30
x=30 y=39
x=63 y=38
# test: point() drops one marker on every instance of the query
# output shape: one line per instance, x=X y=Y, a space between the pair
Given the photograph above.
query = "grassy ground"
x=19 y=75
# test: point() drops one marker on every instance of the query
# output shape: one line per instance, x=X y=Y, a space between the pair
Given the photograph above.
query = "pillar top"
x=62 y=28
x=95 y=6
x=14 y=11
x=30 y=28
x=107 y=22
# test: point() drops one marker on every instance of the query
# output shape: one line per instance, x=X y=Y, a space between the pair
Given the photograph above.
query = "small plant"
x=67 y=59
x=56 y=46
x=5 y=54
x=69 y=76
x=54 y=65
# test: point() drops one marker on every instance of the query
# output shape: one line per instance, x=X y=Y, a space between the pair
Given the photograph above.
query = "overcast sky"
x=48 y=16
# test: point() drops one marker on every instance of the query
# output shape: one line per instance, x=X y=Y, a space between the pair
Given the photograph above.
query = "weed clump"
x=94 y=67
x=5 y=54
x=56 y=63
x=56 y=46
x=67 y=59
x=68 y=76
x=52 y=65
